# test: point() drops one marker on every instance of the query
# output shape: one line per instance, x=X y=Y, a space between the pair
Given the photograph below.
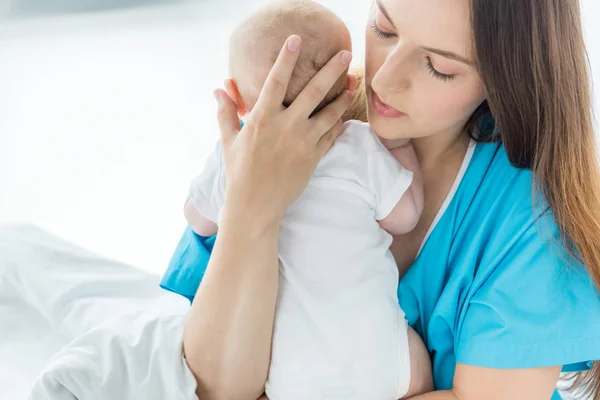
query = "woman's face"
x=420 y=75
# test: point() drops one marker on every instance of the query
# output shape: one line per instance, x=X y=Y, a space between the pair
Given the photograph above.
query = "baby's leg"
x=199 y=224
x=421 y=377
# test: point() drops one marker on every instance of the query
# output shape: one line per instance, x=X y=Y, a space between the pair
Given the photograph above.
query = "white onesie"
x=339 y=331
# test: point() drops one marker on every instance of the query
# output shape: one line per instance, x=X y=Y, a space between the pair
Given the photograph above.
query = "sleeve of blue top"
x=537 y=307
x=188 y=264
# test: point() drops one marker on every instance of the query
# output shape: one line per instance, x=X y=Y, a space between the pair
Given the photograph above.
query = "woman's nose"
x=394 y=75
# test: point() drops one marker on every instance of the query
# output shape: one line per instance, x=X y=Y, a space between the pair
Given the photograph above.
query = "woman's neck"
x=435 y=152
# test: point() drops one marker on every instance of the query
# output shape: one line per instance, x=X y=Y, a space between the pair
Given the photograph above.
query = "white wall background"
x=105 y=118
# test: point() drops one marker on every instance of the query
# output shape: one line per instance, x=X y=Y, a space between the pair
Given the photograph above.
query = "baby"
x=339 y=332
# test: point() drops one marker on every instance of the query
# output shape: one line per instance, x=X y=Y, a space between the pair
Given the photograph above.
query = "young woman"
x=501 y=273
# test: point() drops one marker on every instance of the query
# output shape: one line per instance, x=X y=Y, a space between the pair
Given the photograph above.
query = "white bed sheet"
x=26 y=345
x=73 y=322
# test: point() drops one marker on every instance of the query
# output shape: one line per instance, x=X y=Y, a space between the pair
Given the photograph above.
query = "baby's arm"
x=407 y=212
x=200 y=225
x=421 y=376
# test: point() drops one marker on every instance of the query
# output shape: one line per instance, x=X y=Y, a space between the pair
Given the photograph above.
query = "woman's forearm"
x=439 y=395
x=227 y=338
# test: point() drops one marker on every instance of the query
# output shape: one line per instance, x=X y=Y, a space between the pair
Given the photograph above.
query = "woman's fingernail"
x=293 y=43
x=217 y=95
x=346 y=57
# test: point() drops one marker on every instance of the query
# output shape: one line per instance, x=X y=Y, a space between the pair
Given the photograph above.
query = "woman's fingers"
x=328 y=116
x=320 y=85
x=273 y=92
x=329 y=137
x=229 y=122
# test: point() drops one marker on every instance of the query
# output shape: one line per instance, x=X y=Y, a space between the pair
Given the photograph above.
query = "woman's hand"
x=269 y=161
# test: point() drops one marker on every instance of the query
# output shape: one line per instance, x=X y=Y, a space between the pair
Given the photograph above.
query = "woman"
x=494 y=277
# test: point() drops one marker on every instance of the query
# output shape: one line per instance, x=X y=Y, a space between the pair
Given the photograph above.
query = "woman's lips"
x=383 y=109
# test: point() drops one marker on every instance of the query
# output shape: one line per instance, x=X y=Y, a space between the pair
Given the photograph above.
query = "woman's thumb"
x=229 y=122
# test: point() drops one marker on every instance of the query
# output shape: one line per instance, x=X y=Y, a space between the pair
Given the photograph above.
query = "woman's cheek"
x=462 y=101
x=441 y=108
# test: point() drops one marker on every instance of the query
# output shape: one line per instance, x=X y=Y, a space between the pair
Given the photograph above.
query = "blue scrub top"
x=492 y=286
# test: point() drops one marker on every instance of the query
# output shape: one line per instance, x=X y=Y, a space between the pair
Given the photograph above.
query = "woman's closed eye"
x=381 y=33
x=437 y=74
x=428 y=64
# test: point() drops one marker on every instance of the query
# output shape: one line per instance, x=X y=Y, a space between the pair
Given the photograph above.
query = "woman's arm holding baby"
x=228 y=332
x=477 y=383
x=268 y=163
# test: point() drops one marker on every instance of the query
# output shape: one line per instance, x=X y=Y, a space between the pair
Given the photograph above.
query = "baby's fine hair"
x=323 y=36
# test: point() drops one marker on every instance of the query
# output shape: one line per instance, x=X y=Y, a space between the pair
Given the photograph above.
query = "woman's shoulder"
x=495 y=194
x=529 y=301
x=493 y=206
x=500 y=234
x=491 y=175
x=498 y=273
x=505 y=205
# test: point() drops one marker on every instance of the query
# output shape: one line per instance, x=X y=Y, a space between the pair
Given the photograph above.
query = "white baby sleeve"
x=206 y=190
x=388 y=179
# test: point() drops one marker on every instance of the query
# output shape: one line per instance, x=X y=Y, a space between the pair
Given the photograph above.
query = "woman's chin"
x=384 y=129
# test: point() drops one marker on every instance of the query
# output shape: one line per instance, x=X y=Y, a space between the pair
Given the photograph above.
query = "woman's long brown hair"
x=533 y=63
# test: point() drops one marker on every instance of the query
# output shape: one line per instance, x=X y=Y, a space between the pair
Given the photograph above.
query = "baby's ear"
x=233 y=92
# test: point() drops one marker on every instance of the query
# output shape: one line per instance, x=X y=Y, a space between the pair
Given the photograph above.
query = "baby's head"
x=257 y=41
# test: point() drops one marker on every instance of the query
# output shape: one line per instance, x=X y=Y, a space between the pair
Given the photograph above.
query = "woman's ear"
x=233 y=92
